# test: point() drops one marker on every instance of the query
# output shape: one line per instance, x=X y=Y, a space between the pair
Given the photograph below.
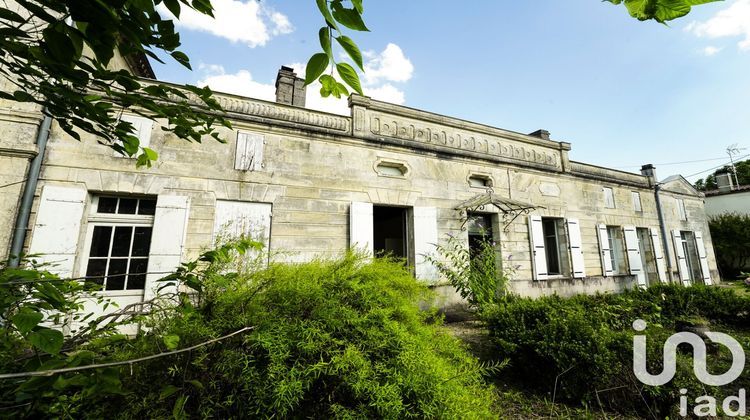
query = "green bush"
x=580 y=348
x=342 y=339
x=730 y=233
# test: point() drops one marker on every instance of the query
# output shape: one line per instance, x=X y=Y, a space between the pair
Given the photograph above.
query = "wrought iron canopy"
x=509 y=209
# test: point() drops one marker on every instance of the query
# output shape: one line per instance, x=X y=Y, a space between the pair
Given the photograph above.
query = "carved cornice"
x=270 y=110
x=606 y=174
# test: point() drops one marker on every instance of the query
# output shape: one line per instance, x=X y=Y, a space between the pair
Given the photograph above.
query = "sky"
x=623 y=92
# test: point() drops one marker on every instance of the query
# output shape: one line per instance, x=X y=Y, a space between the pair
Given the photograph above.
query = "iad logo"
x=699 y=357
x=706 y=405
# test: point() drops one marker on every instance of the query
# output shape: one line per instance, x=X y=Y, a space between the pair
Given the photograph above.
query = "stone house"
x=386 y=178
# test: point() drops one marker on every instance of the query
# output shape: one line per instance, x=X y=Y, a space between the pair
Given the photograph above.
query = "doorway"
x=390 y=232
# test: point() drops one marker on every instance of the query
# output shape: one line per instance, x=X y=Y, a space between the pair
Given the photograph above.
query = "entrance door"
x=390 y=232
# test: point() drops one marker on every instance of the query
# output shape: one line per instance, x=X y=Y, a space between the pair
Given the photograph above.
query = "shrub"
x=730 y=233
x=341 y=339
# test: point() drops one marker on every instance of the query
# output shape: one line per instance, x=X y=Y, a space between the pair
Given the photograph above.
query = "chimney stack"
x=542 y=134
x=649 y=170
x=290 y=89
x=725 y=182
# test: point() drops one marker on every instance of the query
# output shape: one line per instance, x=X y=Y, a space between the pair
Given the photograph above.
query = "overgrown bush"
x=730 y=233
x=340 y=339
x=579 y=349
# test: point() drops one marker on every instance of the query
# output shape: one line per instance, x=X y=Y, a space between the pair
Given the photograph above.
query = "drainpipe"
x=663 y=228
x=24 y=210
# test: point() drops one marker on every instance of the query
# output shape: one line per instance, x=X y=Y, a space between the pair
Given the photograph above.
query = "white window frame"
x=616 y=249
x=609 y=197
x=637 y=204
x=114 y=220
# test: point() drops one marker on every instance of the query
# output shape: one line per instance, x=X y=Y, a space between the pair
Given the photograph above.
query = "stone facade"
x=313 y=179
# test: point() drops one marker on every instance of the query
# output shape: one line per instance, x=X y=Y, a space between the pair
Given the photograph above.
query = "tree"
x=57 y=53
x=742 y=169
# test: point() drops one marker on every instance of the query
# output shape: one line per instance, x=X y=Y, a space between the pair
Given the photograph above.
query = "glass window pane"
x=138 y=280
x=147 y=206
x=141 y=241
x=100 y=241
x=127 y=206
x=107 y=205
x=121 y=241
x=115 y=281
x=96 y=267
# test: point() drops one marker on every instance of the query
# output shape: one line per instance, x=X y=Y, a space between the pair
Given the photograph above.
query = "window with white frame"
x=555 y=245
x=118 y=241
x=637 y=201
x=617 y=250
x=609 y=198
x=681 y=208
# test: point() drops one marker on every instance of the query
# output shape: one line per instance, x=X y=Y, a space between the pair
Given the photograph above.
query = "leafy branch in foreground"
x=336 y=15
x=659 y=10
x=60 y=55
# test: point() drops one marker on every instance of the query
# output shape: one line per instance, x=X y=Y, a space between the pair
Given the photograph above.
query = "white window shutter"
x=235 y=219
x=576 y=252
x=703 y=257
x=58 y=227
x=538 y=254
x=661 y=268
x=425 y=242
x=679 y=253
x=249 y=153
x=361 y=227
x=167 y=240
x=635 y=263
x=142 y=127
x=606 y=252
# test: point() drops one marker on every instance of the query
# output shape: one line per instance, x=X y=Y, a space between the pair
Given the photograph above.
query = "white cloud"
x=248 y=21
x=390 y=65
x=733 y=21
x=240 y=83
x=710 y=51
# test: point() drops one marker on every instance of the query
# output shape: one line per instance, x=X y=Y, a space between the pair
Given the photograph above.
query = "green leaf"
x=47 y=340
x=315 y=67
x=168 y=391
x=349 y=75
x=150 y=154
x=325 y=41
x=358 y=6
x=323 y=7
x=26 y=319
x=171 y=341
x=351 y=48
x=182 y=58
x=348 y=17
x=6 y=14
x=174 y=7
x=178 y=411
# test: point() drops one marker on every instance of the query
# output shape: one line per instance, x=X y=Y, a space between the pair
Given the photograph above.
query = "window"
x=141 y=129
x=390 y=232
x=249 y=153
x=119 y=241
x=609 y=198
x=555 y=246
x=617 y=250
x=391 y=169
x=637 y=201
x=690 y=250
x=480 y=181
x=480 y=232
x=681 y=208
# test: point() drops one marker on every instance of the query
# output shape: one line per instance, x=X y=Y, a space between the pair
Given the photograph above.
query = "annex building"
x=386 y=178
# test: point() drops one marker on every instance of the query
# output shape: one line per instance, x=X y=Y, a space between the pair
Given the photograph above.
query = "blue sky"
x=623 y=92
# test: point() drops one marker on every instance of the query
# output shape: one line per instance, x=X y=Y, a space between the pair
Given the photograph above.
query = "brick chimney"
x=290 y=89
x=649 y=170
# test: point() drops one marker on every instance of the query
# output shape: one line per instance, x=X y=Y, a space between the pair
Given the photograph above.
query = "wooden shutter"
x=142 y=127
x=635 y=263
x=538 y=254
x=235 y=219
x=606 y=252
x=249 y=153
x=425 y=241
x=703 y=257
x=167 y=240
x=58 y=227
x=576 y=252
x=679 y=253
x=361 y=227
x=656 y=245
